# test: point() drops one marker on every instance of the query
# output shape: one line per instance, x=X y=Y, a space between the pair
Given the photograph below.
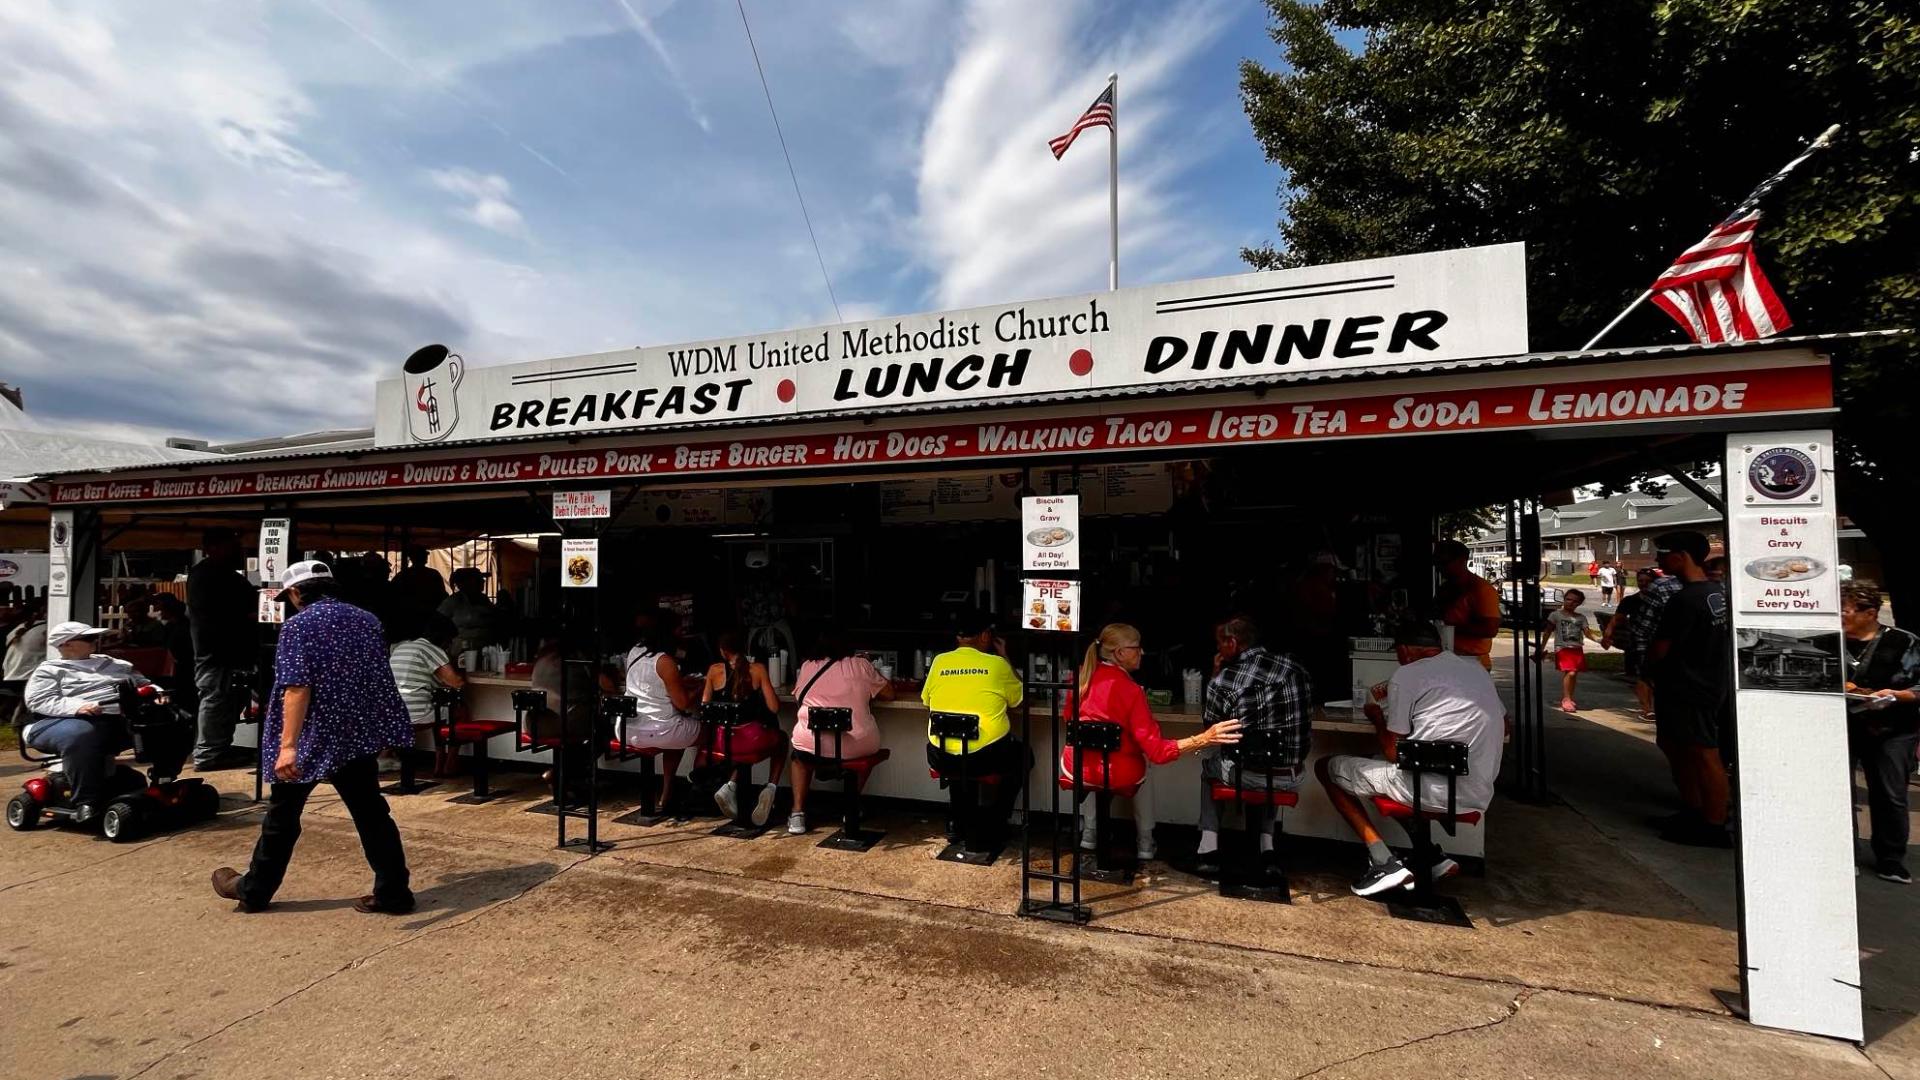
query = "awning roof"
x=353 y=447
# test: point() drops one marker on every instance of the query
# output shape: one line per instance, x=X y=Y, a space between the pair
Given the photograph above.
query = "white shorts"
x=1366 y=777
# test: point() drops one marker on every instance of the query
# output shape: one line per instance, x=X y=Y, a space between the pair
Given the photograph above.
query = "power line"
x=802 y=199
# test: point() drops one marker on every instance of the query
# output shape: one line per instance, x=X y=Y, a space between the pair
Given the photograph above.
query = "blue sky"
x=227 y=218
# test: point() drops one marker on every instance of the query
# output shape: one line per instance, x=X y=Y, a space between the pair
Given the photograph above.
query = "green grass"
x=9 y=738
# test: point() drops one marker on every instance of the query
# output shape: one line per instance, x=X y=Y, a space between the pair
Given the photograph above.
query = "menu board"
x=967 y=497
x=706 y=506
x=1048 y=604
x=1137 y=489
x=1050 y=533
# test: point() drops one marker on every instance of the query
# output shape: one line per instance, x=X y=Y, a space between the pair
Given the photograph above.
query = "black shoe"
x=1892 y=870
x=1205 y=867
x=1382 y=877
x=233 y=757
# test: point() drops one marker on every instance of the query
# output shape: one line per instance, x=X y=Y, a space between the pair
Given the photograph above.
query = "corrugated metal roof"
x=359 y=447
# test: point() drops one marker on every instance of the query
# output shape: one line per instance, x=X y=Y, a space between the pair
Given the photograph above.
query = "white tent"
x=30 y=448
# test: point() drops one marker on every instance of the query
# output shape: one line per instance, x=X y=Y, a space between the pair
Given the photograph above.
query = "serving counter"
x=1174 y=789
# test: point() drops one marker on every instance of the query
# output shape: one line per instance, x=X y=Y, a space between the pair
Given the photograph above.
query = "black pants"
x=1887 y=759
x=358 y=782
x=1005 y=758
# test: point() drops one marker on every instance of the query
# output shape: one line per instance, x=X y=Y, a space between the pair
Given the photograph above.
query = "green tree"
x=1609 y=137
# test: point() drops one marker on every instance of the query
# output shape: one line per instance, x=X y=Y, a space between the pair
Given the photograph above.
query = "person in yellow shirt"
x=975 y=678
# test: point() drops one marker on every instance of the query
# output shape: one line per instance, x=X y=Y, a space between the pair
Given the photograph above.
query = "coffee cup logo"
x=432 y=401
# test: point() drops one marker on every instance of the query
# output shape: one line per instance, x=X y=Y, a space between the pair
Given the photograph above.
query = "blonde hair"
x=1113 y=637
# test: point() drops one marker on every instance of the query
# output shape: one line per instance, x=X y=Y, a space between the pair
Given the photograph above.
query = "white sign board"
x=59 y=553
x=1049 y=533
x=1047 y=604
x=1801 y=949
x=270 y=610
x=582 y=505
x=274 y=533
x=579 y=563
x=1411 y=309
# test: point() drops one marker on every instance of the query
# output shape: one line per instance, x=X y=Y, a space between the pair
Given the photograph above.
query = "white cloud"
x=998 y=217
x=490 y=203
x=643 y=28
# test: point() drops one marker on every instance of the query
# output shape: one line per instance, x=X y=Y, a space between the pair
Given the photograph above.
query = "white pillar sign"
x=59 y=554
x=579 y=563
x=1800 y=951
x=1050 y=534
x=582 y=505
x=274 y=533
x=1048 y=604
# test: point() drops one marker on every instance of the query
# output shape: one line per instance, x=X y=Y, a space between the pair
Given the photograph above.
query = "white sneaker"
x=723 y=797
x=1088 y=841
x=796 y=824
x=1145 y=851
x=763 y=808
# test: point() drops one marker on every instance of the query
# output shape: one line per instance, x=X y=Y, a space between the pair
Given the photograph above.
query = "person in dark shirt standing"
x=224 y=613
x=1690 y=663
x=1623 y=631
x=334 y=708
x=1883 y=719
x=177 y=636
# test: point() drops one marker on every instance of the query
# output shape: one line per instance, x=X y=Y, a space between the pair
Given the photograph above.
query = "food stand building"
x=1222 y=434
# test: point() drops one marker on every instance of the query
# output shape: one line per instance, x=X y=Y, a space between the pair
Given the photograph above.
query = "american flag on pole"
x=1716 y=291
x=1098 y=114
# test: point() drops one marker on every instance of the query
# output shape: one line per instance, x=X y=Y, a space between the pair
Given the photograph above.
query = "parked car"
x=1511 y=595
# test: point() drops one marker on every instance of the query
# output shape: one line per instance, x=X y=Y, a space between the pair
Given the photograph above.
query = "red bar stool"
x=1101 y=737
x=853 y=771
x=618 y=710
x=968 y=844
x=451 y=734
x=1420 y=757
x=1246 y=878
x=723 y=720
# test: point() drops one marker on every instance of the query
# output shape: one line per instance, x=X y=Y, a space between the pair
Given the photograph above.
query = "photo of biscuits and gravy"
x=579 y=569
x=1786 y=568
x=1050 y=537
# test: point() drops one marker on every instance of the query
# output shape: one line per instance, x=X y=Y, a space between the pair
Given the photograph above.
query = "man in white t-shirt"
x=1435 y=695
x=1609 y=577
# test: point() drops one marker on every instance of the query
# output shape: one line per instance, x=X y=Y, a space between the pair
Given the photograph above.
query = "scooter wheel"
x=206 y=802
x=120 y=822
x=22 y=813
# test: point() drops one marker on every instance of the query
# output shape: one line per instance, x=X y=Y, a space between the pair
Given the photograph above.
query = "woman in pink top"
x=833 y=678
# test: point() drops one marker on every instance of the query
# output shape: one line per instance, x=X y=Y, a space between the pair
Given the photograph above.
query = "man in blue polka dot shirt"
x=334 y=708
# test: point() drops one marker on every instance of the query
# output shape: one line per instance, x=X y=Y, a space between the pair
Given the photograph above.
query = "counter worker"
x=333 y=708
x=1883 y=719
x=1434 y=695
x=976 y=679
x=1106 y=691
x=475 y=618
x=224 y=615
x=75 y=702
x=1265 y=691
x=1467 y=602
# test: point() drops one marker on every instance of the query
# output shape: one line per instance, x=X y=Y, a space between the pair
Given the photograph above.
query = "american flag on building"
x=1098 y=114
x=1716 y=291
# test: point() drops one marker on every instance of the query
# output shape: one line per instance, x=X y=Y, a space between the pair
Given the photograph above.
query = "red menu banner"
x=1551 y=405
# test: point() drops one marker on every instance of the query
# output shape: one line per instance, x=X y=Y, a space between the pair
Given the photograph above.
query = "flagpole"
x=1113 y=185
x=1819 y=143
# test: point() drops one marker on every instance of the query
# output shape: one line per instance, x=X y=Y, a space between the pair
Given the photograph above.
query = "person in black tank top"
x=738 y=678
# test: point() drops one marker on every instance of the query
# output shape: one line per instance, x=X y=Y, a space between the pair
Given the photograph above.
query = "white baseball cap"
x=298 y=574
x=67 y=631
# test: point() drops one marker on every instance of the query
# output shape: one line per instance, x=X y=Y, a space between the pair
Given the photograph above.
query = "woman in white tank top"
x=663 y=702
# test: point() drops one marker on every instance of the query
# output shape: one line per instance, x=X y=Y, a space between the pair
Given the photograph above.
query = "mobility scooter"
x=162 y=739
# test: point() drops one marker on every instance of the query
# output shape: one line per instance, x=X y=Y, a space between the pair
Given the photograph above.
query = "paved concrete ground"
x=681 y=954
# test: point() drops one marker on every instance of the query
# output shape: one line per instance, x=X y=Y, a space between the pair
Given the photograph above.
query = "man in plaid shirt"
x=1268 y=692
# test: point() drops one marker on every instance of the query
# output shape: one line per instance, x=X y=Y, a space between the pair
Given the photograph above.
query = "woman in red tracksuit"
x=1107 y=692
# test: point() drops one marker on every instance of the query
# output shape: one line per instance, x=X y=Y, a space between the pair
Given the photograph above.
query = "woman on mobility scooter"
x=75 y=703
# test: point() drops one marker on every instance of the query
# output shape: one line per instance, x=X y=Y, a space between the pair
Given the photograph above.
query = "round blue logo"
x=1782 y=473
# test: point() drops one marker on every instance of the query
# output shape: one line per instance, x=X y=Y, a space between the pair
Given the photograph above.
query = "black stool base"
x=1074 y=914
x=643 y=816
x=591 y=847
x=959 y=852
x=1268 y=892
x=740 y=830
x=551 y=808
x=1117 y=874
x=404 y=788
x=473 y=799
x=852 y=840
x=1438 y=910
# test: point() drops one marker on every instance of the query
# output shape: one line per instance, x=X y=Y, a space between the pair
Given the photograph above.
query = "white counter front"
x=1175 y=788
